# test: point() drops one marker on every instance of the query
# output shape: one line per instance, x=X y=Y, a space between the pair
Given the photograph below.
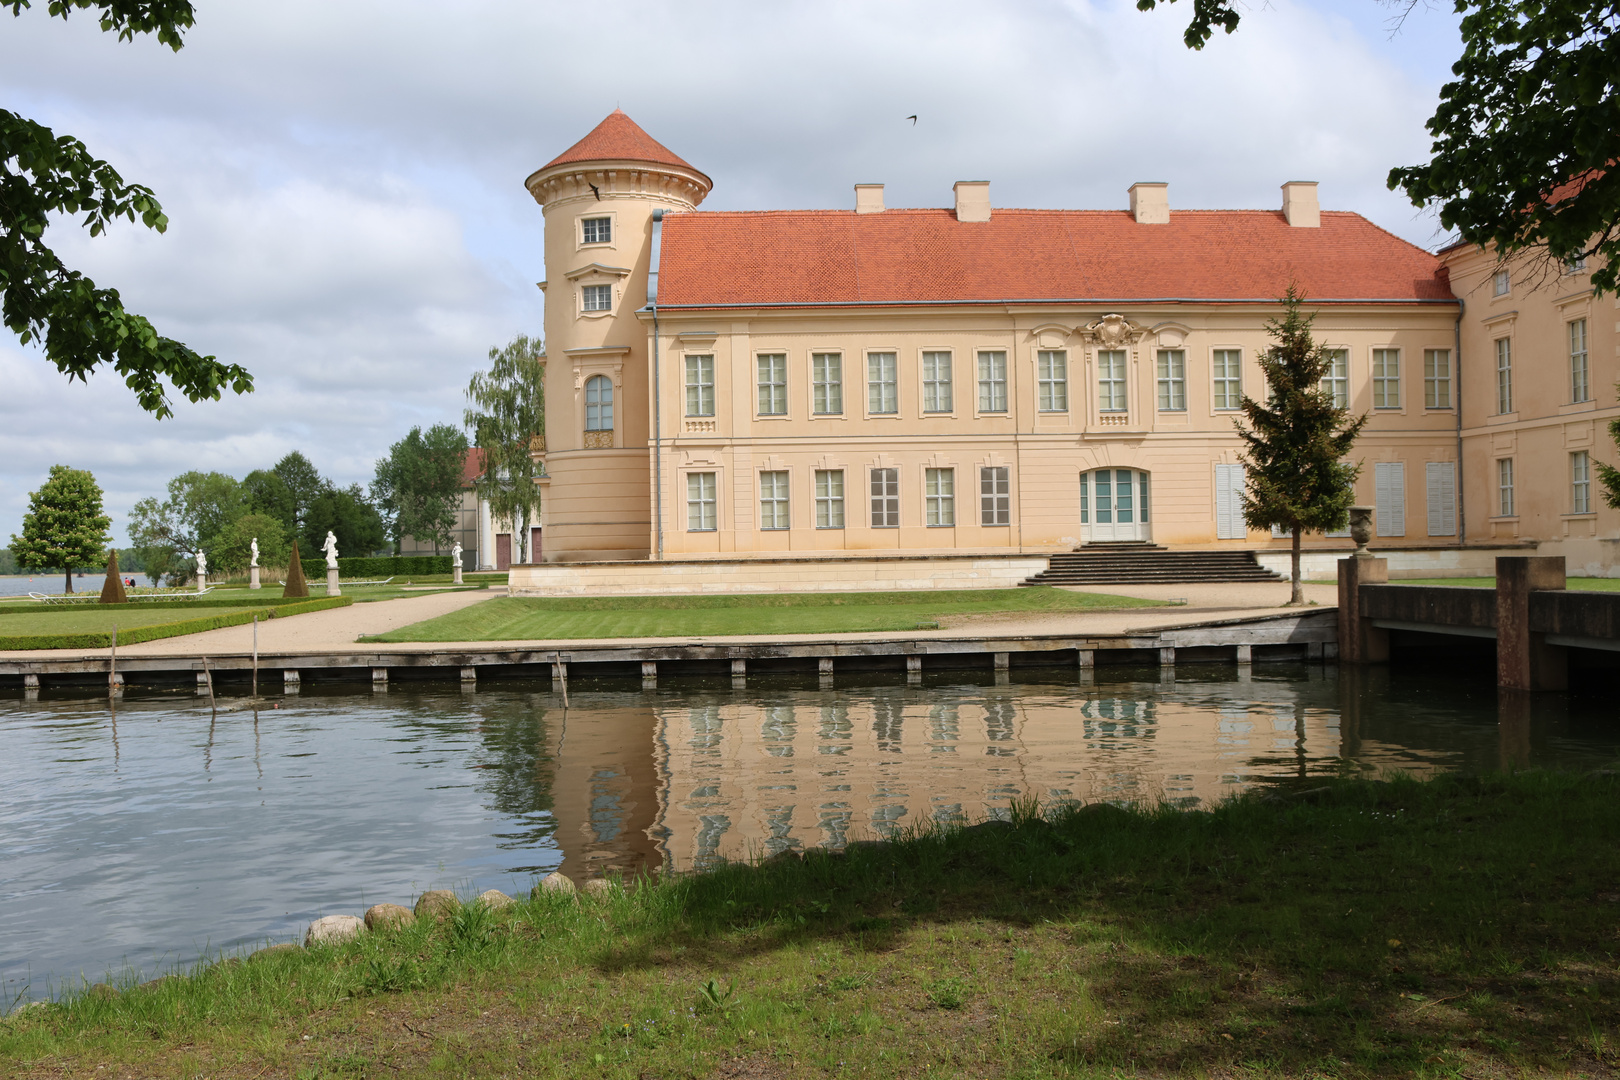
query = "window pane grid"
x=773 y=500
x=1504 y=487
x=829 y=498
x=700 y=386
x=1580 y=474
x=939 y=487
x=882 y=387
x=1052 y=381
x=700 y=502
x=995 y=502
x=1580 y=388
x=1336 y=382
x=598 y=230
x=1172 y=380
x=885 y=498
x=598 y=297
x=773 y=384
x=992 y=382
x=1386 y=378
x=1227 y=365
x=598 y=403
x=1111 y=381
x=1437 y=378
x=936 y=382
x=827 y=383
x=1504 y=375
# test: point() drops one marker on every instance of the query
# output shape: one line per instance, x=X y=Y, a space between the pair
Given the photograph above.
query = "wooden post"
x=1360 y=642
x=255 y=656
x=1524 y=660
x=112 y=664
x=208 y=677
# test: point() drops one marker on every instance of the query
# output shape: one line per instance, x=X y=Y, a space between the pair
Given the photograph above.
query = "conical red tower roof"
x=619 y=138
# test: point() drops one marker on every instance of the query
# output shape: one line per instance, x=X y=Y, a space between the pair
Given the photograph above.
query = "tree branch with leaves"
x=506 y=418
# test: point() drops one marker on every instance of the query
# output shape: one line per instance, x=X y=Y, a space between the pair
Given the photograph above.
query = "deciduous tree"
x=348 y=515
x=1297 y=478
x=43 y=175
x=65 y=526
x=304 y=485
x=418 y=485
x=232 y=546
x=506 y=418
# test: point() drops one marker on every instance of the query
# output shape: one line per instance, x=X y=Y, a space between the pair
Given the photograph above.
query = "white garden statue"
x=330 y=547
x=455 y=563
x=202 y=565
x=253 y=552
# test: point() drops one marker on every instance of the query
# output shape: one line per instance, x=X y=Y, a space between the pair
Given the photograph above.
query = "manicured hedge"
x=382 y=566
x=244 y=598
x=138 y=634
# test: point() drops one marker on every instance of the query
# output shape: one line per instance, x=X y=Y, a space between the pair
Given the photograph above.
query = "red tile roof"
x=619 y=138
x=926 y=256
x=472 y=466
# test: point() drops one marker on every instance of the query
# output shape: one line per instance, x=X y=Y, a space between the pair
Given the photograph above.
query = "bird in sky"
x=913 y=119
x=595 y=191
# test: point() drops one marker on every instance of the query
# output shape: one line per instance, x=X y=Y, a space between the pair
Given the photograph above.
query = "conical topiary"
x=296 y=585
x=113 y=591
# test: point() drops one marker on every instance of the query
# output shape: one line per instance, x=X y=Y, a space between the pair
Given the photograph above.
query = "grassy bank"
x=550 y=618
x=90 y=626
x=1459 y=927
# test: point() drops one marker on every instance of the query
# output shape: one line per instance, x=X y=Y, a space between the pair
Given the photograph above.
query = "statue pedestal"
x=457 y=579
x=332 y=583
x=202 y=582
x=253 y=577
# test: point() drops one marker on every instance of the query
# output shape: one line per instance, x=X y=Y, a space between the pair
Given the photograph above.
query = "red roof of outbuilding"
x=472 y=466
x=794 y=257
x=619 y=138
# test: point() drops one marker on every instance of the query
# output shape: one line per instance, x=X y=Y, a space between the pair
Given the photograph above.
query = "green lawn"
x=568 y=618
x=1593 y=584
x=1463 y=927
x=92 y=618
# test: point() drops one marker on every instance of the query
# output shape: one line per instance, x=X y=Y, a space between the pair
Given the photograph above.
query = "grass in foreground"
x=552 y=618
x=92 y=618
x=1593 y=584
x=1458 y=927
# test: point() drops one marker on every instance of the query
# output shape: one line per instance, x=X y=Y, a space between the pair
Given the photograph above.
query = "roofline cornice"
x=616 y=176
x=1069 y=302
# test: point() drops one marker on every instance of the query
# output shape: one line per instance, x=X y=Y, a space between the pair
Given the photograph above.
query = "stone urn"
x=1361 y=529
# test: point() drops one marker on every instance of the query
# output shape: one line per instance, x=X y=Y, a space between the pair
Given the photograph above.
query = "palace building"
x=982 y=379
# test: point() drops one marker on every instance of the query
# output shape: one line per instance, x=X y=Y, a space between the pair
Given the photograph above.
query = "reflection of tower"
x=599 y=197
x=605 y=792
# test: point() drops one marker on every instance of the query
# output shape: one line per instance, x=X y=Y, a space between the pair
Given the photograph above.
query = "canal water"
x=135 y=840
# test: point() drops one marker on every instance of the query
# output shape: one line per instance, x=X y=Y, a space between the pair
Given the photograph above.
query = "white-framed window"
x=1052 y=380
x=1437 y=379
x=829 y=498
x=1440 y=478
x=1111 y=381
x=773 y=500
x=772 y=384
x=1226 y=366
x=995 y=498
x=1500 y=283
x=1580 y=482
x=936 y=373
x=598 y=403
x=1580 y=378
x=596 y=230
x=1389 y=497
x=1504 y=375
x=882 y=384
x=1172 y=380
x=1504 y=487
x=597 y=297
x=885 y=498
x=1576 y=265
x=700 y=502
x=827 y=383
x=992 y=382
x=939 y=491
x=700 y=385
x=1336 y=380
x=1386 y=378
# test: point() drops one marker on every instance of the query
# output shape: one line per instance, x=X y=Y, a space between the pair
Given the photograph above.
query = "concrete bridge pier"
x=1360 y=642
x=1524 y=660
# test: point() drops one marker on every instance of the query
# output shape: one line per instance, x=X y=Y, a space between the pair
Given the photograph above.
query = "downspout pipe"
x=658 y=406
x=1456 y=387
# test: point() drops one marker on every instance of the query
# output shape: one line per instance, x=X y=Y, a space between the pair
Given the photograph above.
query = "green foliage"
x=44 y=175
x=264 y=492
x=418 y=485
x=232 y=548
x=1608 y=475
x=65 y=526
x=167 y=535
x=347 y=514
x=130 y=635
x=1207 y=14
x=507 y=414
x=1296 y=477
x=8 y=562
x=304 y=485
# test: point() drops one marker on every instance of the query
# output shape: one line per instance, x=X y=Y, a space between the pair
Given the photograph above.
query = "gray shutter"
x=1440 y=477
x=1229 y=503
x=1390 y=497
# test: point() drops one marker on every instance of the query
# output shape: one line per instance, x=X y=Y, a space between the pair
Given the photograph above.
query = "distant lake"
x=51 y=584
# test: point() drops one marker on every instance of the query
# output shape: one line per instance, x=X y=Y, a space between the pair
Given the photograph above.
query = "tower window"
x=598 y=230
x=598 y=403
x=598 y=297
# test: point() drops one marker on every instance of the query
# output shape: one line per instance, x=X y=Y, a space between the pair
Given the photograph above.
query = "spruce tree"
x=1608 y=475
x=65 y=526
x=1296 y=475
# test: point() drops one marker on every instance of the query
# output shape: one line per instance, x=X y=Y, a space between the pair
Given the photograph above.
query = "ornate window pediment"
x=1112 y=332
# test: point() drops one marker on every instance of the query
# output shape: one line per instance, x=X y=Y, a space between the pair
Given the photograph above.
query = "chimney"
x=972 y=200
x=869 y=198
x=1150 y=203
x=1300 y=206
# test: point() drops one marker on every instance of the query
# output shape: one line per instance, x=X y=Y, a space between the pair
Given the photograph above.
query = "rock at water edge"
x=495 y=900
x=333 y=930
x=388 y=916
x=599 y=888
x=554 y=882
x=437 y=904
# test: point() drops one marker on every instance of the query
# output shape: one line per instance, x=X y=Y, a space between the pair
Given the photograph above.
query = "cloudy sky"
x=344 y=178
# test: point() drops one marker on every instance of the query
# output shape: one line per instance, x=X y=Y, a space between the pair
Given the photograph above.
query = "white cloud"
x=344 y=181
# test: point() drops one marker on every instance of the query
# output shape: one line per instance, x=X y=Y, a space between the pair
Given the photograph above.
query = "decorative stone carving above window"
x=599 y=440
x=1112 y=332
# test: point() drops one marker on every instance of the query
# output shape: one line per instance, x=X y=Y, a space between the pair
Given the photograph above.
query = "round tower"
x=598 y=197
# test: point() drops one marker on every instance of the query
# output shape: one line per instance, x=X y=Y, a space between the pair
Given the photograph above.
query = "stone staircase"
x=1142 y=563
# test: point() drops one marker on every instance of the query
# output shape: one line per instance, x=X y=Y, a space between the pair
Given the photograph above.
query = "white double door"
x=1114 y=506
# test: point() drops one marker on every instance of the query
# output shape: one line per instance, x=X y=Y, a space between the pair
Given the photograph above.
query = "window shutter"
x=1390 y=497
x=1229 y=503
x=1441 y=479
